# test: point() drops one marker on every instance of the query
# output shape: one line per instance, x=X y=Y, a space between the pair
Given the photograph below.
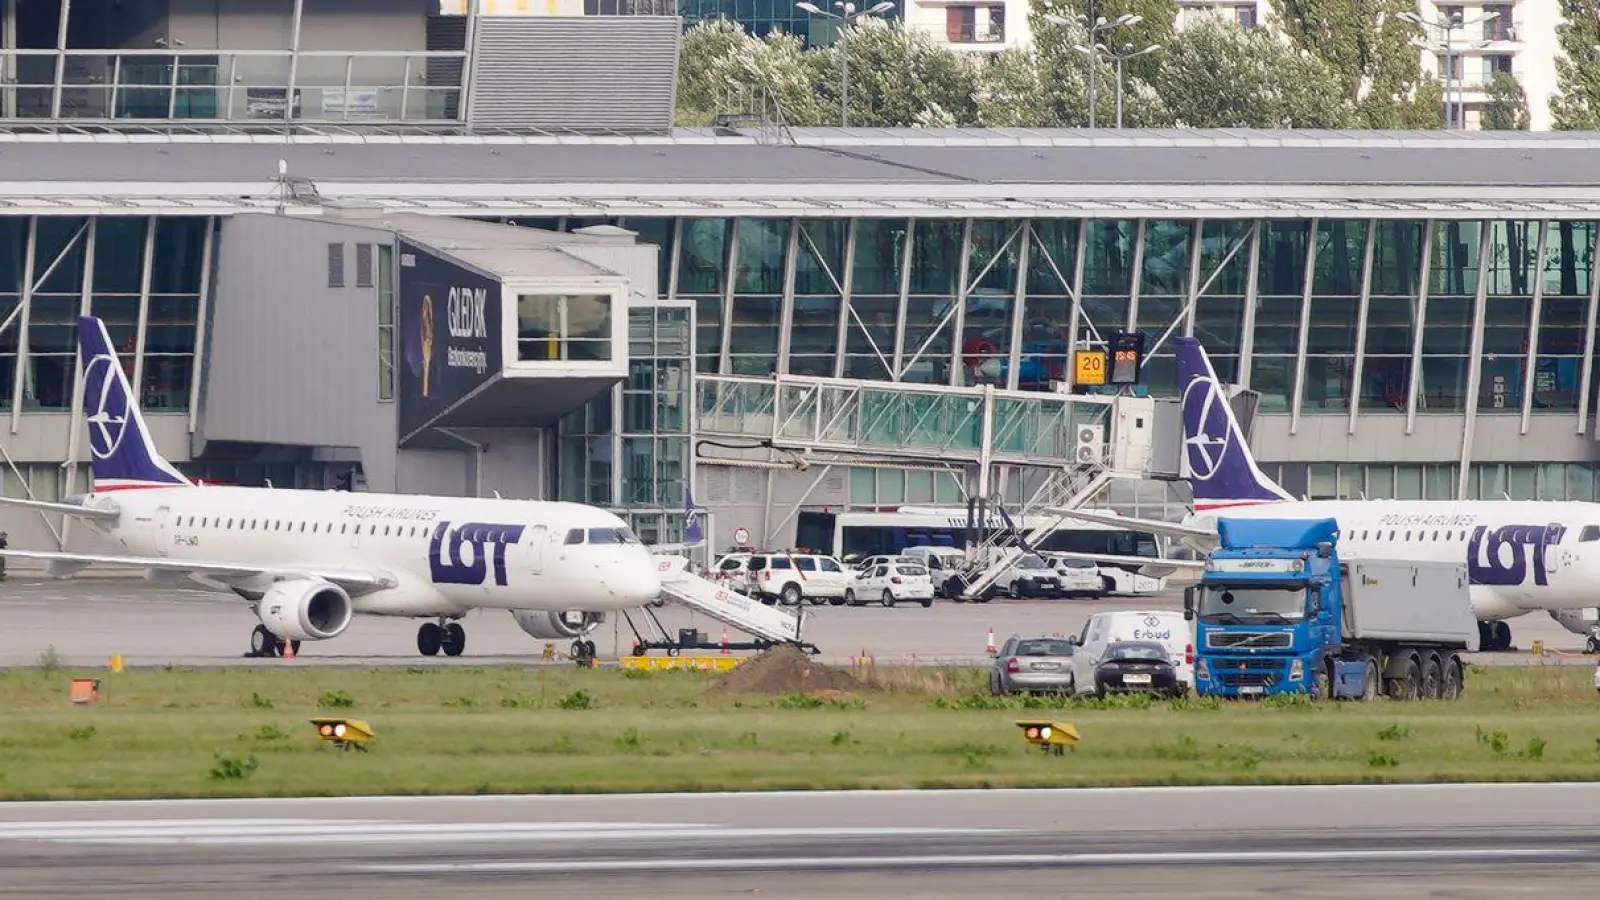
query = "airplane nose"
x=641 y=585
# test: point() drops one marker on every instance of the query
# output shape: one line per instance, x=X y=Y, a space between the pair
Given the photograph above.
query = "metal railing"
x=247 y=86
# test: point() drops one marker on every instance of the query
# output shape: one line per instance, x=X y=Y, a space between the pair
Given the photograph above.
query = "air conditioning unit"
x=1090 y=446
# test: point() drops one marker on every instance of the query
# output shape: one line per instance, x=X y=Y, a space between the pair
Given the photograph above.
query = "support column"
x=1306 y=289
x=791 y=252
x=846 y=286
x=1588 y=339
x=144 y=306
x=1474 y=361
x=203 y=312
x=1363 y=311
x=61 y=59
x=294 y=63
x=905 y=301
x=1075 y=291
x=1536 y=309
x=1421 y=320
x=1018 y=312
x=1247 y=340
x=75 y=435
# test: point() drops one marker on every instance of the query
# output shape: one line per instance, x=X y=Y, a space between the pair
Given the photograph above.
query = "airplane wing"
x=1189 y=534
x=355 y=581
x=66 y=509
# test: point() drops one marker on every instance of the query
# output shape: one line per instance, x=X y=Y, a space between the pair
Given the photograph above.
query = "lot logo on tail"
x=121 y=454
x=1221 y=470
x=473 y=536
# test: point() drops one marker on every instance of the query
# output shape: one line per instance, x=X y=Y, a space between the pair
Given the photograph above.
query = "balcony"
x=397 y=87
x=974 y=35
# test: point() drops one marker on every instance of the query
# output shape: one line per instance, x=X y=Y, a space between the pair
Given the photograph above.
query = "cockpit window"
x=1589 y=533
x=575 y=536
x=611 y=536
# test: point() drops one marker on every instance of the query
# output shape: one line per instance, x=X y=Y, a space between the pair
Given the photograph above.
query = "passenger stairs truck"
x=1277 y=611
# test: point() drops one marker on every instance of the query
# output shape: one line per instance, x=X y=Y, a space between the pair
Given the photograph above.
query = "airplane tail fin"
x=121 y=454
x=1218 y=464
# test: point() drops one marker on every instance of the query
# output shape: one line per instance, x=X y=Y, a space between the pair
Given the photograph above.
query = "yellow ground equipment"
x=1051 y=737
x=344 y=733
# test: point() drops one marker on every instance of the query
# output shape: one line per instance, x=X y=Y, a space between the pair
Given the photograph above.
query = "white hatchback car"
x=892 y=583
x=1079 y=577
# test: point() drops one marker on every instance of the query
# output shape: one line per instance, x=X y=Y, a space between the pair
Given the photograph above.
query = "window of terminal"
x=563 y=327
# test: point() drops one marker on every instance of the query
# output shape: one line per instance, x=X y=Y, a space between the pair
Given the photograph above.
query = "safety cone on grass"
x=991 y=648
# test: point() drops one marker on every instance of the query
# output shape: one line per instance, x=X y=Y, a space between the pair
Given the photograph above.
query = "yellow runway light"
x=344 y=733
x=1051 y=737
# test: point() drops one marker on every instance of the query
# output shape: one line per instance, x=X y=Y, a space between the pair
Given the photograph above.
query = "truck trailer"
x=1277 y=611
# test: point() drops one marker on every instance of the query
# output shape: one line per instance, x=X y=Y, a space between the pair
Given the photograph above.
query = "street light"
x=1119 y=58
x=848 y=15
x=1100 y=26
x=1449 y=25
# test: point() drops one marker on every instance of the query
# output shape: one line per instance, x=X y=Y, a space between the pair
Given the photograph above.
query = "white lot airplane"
x=307 y=561
x=1522 y=555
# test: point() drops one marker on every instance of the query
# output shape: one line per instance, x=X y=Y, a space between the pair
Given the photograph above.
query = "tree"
x=1576 y=104
x=1507 y=109
x=1160 y=19
x=898 y=78
x=725 y=70
x=1370 y=47
x=1219 y=75
x=1063 y=77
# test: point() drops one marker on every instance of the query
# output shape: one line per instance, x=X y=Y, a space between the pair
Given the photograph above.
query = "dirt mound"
x=785 y=670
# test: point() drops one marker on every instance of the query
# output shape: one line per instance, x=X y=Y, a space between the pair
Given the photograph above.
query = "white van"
x=1166 y=627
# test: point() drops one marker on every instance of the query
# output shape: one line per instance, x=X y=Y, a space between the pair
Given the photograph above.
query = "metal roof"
x=824 y=172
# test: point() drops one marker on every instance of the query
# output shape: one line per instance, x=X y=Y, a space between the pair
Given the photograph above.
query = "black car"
x=1137 y=666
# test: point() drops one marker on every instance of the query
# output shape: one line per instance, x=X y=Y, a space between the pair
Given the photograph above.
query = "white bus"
x=859 y=534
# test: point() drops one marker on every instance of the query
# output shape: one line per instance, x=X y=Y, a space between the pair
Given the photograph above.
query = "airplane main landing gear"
x=265 y=643
x=583 y=652
x=447 y=636
x=1494 y=637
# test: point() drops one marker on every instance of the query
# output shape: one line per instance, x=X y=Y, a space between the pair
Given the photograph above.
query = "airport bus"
x=860 y=534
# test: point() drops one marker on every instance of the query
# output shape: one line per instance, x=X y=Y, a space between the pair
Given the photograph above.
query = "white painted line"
x=457 y=834
x=881 y=862
x=1552 y=787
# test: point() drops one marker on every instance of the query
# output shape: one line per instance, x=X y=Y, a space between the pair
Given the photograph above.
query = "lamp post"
x=847 y=15
x=1119 y=58
x=1099 y=27
x=1449 y=25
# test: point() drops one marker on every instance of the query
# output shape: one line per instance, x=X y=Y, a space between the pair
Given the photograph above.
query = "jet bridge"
x=679 y=584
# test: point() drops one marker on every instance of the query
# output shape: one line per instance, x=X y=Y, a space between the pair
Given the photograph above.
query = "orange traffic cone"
x=991 y=648
x=288 y=649
x=724 y=640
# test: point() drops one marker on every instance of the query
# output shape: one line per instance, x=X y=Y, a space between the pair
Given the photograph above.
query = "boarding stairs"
x=680 y=584
x=1000 y=548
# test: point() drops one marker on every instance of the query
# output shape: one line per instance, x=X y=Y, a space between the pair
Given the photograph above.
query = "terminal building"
x=378 y=259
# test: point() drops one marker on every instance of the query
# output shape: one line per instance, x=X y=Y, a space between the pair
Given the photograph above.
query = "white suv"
x=789 y=577
x=890 y=583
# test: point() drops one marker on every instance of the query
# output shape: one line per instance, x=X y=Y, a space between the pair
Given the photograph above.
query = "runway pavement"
x=86 y=620
x=1462 y=841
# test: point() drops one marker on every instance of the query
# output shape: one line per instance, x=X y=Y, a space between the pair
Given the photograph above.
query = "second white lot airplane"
x=307 y=561
x=1521 y=555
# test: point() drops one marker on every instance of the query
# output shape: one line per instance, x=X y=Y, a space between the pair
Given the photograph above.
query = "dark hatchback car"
x=1139 y=667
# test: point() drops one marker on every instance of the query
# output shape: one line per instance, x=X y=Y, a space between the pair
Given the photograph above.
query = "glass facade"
x=762 y=17
x=1330 y=317
x=1320 y=317
x=142 y=275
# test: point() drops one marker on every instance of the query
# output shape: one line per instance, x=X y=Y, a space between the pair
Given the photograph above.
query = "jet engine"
x=305 y=610
x=548 y=626
x=1575 y=621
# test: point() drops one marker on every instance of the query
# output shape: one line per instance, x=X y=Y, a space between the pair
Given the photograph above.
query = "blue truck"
x=1276 y=610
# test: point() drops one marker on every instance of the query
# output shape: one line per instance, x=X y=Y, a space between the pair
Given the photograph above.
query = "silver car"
x=1032 y=665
